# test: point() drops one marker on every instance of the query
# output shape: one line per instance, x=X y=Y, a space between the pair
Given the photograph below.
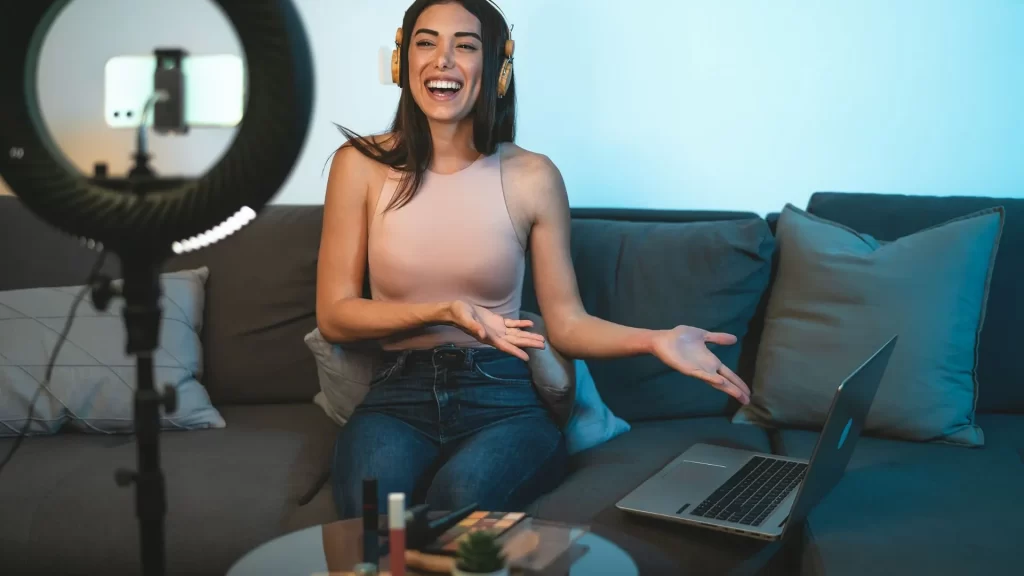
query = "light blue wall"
x=692 y=104
x=749 y=104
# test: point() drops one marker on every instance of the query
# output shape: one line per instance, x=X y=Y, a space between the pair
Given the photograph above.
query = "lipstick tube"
x=396 y=536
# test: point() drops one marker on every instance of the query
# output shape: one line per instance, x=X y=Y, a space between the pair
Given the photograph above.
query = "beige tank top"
x=454 y=240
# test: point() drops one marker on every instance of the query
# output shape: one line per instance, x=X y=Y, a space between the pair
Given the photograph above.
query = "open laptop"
x=758 y=494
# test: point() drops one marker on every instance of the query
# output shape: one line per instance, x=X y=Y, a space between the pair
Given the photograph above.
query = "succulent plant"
x=480 y=553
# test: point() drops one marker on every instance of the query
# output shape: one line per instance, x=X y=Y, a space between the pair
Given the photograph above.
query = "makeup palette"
x=496 y=522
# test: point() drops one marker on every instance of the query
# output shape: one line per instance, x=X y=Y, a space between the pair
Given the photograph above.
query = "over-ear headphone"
x=504 y=77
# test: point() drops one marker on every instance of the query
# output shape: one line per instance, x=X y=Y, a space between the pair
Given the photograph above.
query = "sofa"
x=904 y=506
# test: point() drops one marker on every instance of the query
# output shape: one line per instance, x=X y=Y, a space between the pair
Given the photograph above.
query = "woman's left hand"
x=684 y=348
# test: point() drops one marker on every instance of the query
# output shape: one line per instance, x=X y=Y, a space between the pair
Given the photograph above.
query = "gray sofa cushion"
x=658 y=275
x=913 y=508
x=601 y=476
x=890 y=216
x=228 y=491
x=1004 y=431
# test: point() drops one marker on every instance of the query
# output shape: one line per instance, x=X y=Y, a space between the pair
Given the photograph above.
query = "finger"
x=523 y=342
x=720 y=338
x=506 y=346
x=513 y=323
x=517 y=333
x=719 y=382
x=735 y=380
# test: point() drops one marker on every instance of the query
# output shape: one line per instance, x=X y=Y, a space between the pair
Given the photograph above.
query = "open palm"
x=505 y=334
x=684 y=348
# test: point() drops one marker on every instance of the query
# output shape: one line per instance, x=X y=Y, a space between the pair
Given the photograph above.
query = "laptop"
x=757 y=494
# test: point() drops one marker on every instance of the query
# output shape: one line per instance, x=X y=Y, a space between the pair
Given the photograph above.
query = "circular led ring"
x=270 y=137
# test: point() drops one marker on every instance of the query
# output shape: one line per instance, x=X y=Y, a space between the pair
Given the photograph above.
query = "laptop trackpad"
x=696 y=478
x=683 y=485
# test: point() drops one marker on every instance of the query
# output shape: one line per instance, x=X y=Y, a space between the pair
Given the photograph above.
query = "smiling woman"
x=440 y=211
x=460 y=46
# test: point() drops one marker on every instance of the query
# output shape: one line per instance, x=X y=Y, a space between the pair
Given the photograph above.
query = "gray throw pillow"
x=344 y=374
x=92 y=388
x=840 y=294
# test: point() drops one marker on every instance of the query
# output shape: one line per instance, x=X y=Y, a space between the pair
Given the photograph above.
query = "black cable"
x=93 y=276
x=141 y=168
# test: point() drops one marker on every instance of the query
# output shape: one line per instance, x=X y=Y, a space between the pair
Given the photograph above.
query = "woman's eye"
x=428 y=43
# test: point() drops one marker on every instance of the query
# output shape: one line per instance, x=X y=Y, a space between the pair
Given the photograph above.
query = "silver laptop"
x=757 y=494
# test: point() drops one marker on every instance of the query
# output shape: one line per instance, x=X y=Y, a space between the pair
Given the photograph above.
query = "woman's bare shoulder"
x=529 y=171
x=352 y=165
x=519 y=158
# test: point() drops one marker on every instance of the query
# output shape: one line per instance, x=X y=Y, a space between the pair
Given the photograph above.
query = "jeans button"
x=451 y=357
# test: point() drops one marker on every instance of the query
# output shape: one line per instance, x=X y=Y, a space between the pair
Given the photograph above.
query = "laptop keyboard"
x=754 y=492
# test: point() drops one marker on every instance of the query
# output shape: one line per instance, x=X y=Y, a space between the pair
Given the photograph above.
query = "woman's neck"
x=453 y=146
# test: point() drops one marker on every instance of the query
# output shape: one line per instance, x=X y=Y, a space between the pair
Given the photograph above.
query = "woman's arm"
x=578 y=334
x=570 y=328
x=342 y=314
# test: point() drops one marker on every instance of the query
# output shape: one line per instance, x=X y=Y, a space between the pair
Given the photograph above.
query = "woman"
x=440 y=211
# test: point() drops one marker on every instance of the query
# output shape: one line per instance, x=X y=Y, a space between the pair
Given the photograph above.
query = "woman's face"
x=446 y=62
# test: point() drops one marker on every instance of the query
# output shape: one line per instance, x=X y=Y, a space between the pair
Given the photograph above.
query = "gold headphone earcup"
x=504 y=78
x=396 y=58
x=396 y=67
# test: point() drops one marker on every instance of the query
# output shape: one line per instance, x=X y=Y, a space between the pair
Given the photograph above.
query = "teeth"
x=444 y=84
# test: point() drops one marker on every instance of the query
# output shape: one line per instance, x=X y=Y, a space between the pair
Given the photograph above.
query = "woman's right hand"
x=505 y=334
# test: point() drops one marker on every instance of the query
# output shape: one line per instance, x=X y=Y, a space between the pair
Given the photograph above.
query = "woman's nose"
x=445 y=58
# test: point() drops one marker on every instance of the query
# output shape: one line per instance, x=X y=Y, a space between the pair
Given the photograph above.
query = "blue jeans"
x=449 y=427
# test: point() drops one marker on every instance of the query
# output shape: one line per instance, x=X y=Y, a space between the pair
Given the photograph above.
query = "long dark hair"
x=494 y=119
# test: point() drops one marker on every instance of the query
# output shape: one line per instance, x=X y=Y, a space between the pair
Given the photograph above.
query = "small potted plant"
x=479 y=554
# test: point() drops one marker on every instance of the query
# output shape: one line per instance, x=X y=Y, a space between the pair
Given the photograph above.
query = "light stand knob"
x=170 y=399
x=103 y=292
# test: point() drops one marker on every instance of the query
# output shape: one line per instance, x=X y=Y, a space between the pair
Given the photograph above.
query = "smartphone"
x=215 y=90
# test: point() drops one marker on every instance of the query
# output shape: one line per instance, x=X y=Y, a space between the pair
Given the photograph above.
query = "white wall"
x=692 y=104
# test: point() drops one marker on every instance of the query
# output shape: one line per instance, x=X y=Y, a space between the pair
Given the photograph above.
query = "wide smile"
x=443 y=90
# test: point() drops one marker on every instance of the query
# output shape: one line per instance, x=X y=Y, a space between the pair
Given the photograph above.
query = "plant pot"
x=457 y=572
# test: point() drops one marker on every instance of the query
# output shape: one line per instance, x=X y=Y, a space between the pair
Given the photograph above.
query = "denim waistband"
x=446 y=355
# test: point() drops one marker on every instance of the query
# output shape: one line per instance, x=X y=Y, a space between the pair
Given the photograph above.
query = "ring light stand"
x=142 y=220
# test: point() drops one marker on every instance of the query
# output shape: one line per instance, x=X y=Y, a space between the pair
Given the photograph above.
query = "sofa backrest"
x=644 y=268
x=657 y=270
x=891 y=216
x=260 y=296
x=261 y=302
x=34 y=254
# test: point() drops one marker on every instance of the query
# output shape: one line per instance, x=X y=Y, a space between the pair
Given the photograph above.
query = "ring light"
x=155 y=217
x=268 y=142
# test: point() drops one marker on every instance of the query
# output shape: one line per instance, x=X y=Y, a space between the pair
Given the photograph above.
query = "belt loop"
x=400 y=363
x=468 y=361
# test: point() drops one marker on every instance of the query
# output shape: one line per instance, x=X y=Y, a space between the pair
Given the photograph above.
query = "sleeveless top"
x=454 y=240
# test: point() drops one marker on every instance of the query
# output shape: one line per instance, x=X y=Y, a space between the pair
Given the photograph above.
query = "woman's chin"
x=440 y=110
x=446 y=114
